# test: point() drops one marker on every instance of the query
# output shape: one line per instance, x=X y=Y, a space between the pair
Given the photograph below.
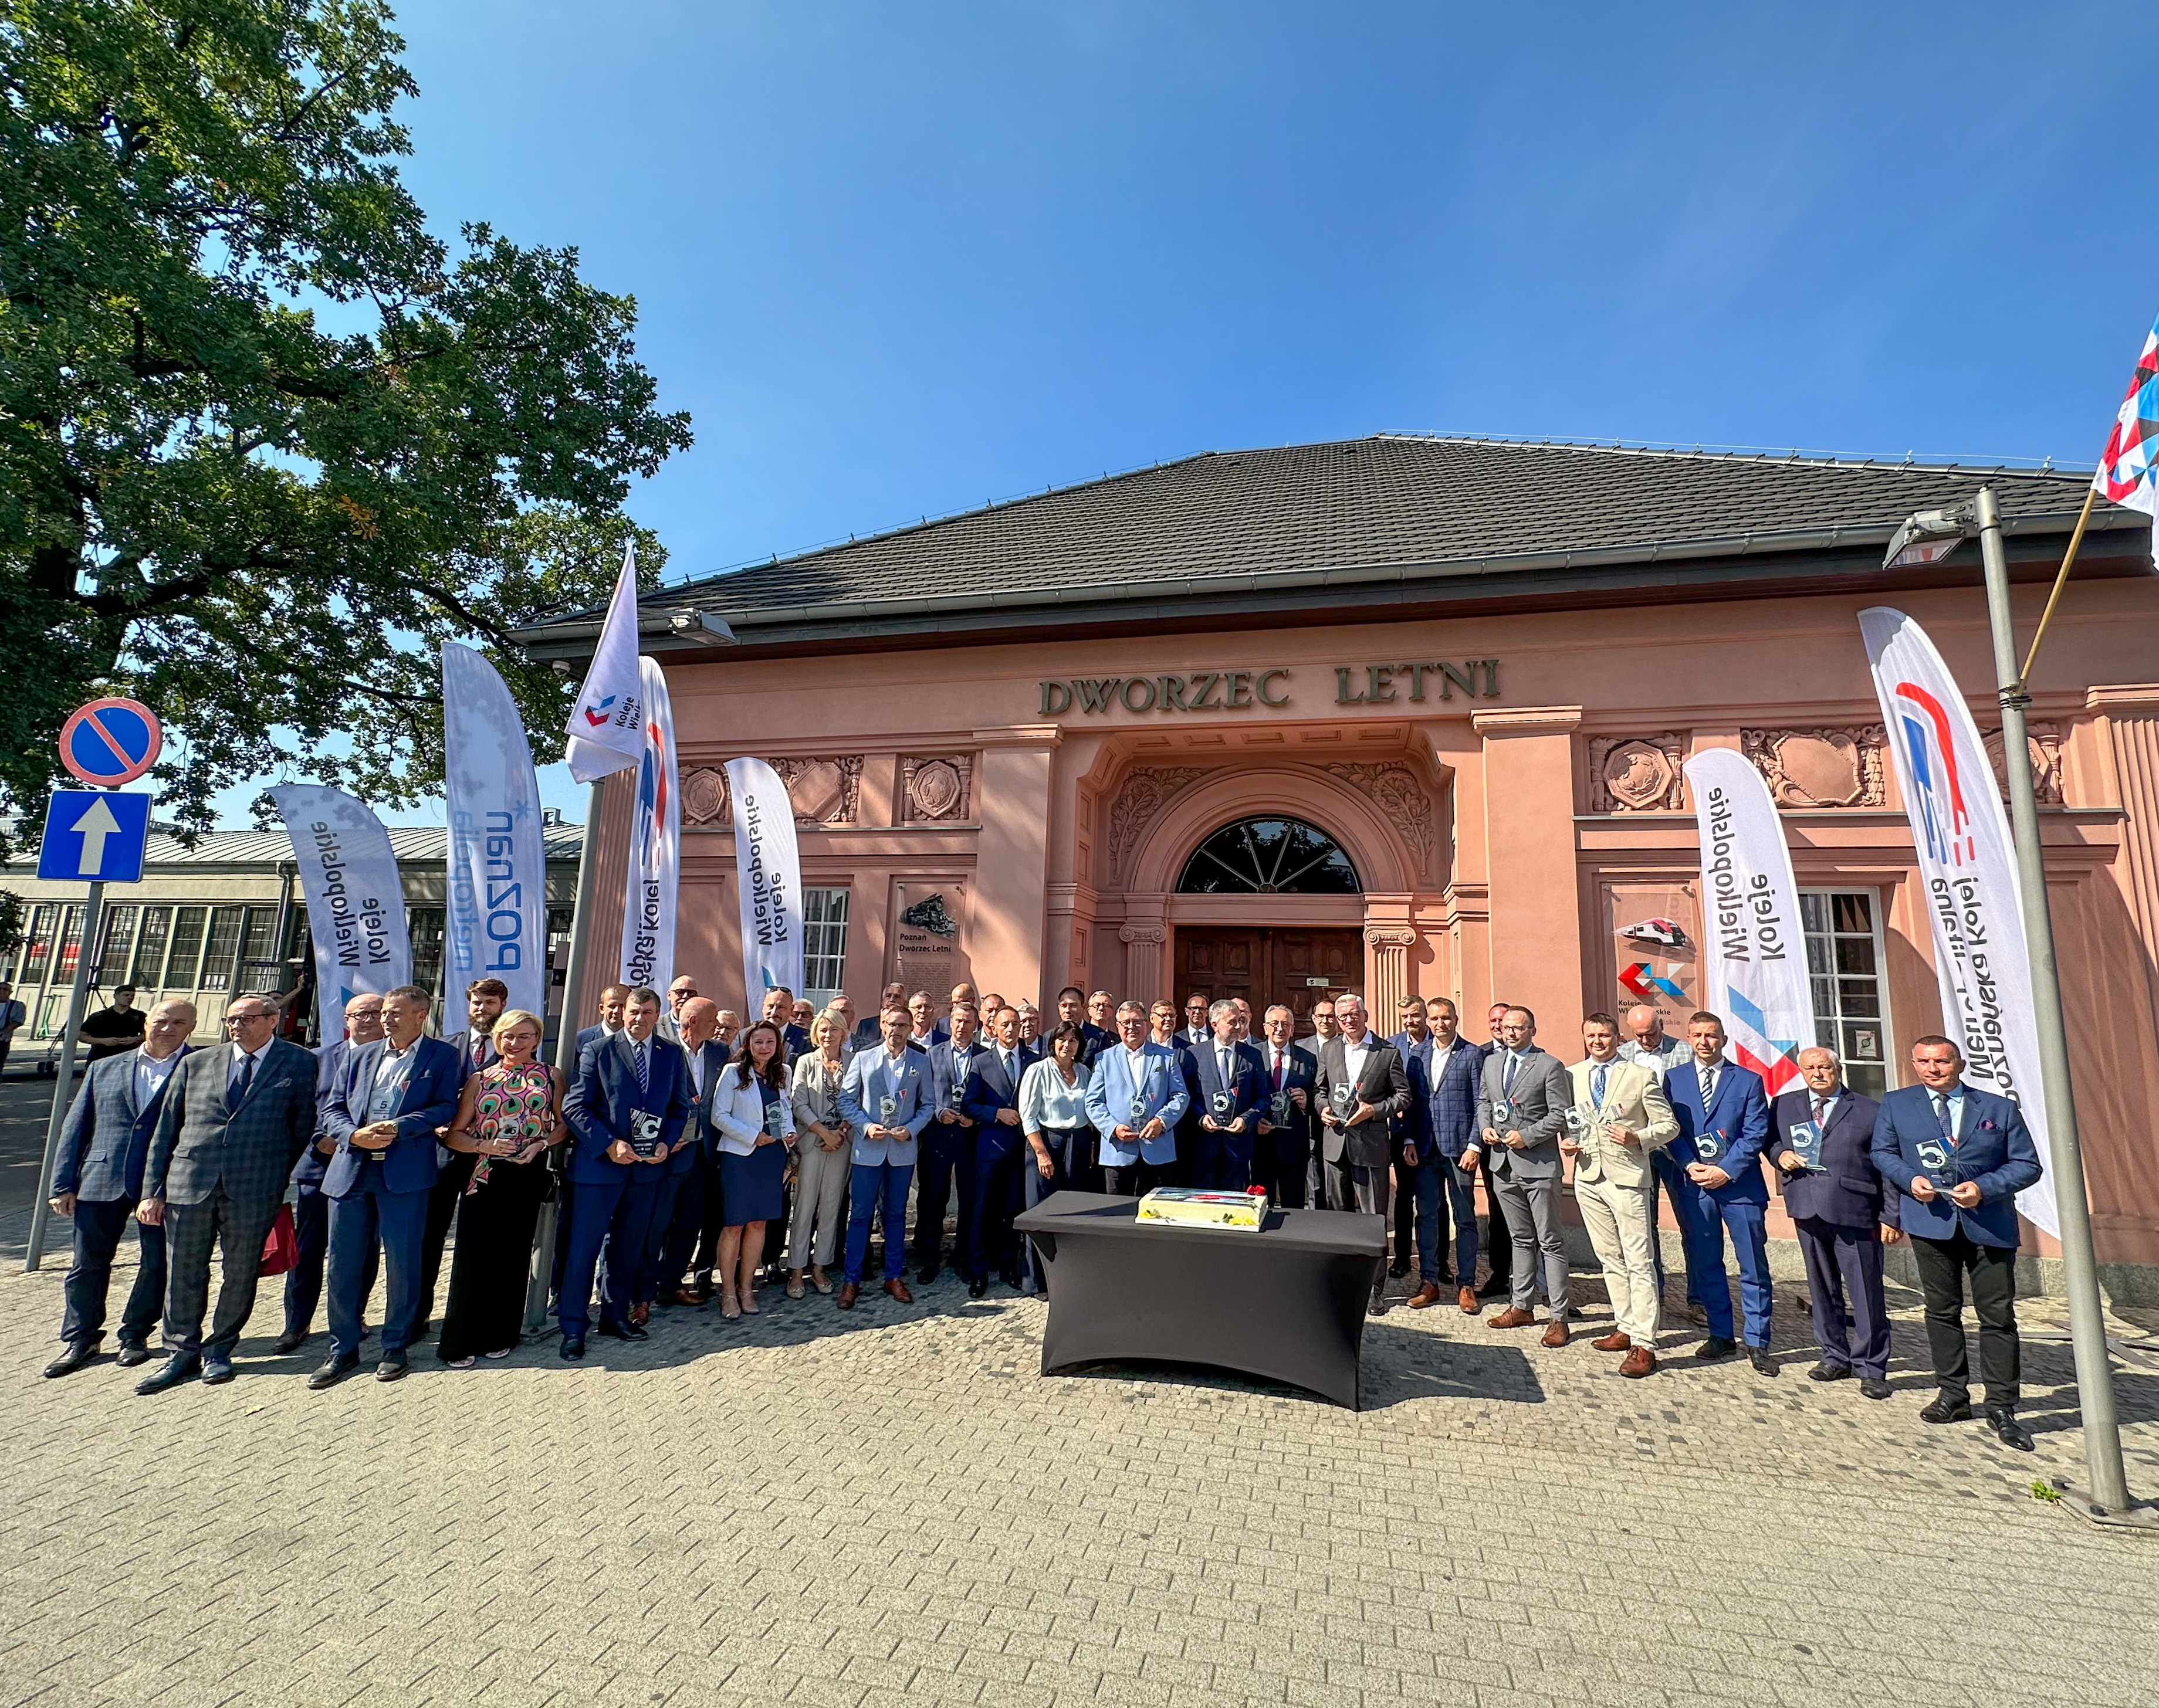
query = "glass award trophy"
x=1578 y=1124
x=644 y=1132
x=1804 y=1139
x=1344 y=1097
x=1710 y=1147
x=1939 y=1160
x=1220 y=1105
x=774 y=1125
x=1139 y=1111
x=1278 y=1108
x=887 y=1110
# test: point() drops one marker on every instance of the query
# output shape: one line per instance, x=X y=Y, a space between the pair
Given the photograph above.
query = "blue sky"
x=901 y=259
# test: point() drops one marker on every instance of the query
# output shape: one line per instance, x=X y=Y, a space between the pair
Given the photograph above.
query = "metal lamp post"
x=1926 y=537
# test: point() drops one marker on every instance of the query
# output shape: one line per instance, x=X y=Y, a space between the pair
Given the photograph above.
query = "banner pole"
x=86 y=948
x=2102 y=1426
x=566 y=1045
x=2061 y=581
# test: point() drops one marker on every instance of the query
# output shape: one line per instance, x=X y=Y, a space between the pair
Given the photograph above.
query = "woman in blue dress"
x=754 y=1118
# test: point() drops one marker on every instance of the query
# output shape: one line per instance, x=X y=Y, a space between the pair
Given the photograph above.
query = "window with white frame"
x=824 y=944
x=1845 y=972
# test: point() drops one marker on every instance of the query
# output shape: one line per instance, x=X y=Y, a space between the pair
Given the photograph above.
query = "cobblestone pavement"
x=895 y=1507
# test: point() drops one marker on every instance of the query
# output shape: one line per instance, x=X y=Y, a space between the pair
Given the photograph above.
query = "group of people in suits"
x=682 y=1135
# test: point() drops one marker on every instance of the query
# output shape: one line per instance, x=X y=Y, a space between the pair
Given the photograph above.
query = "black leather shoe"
x=1827 y=1372
x=572 y=1347
x=977 y=1289
x=612 y=1331
x=290 y=1341
x=1399 y=1268
x=1716 y=1346
x=1758 y=1356
x=216 y=1372
x=132 y=1353
x=1495 y=1286
x=635 y=1331
x=79 y=1353
x=1945 y=1409
x=1010 y=1277
x=925 y=1275
x=392 y=1368
x=2008 y=1431
x=176 y=1370
x=333 y=1370
x=1874 y=1388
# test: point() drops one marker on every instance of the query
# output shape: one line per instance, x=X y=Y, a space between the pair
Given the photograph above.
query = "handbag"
x=281 y=1249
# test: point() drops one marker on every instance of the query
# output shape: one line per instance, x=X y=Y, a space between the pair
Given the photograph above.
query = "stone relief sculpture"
x=1821 y=768
x=1637 y=773
x=934 y=790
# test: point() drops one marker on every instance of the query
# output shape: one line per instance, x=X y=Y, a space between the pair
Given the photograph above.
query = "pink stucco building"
x=1408 y=714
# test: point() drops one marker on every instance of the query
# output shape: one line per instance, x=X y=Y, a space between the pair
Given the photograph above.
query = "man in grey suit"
x=1521 y=1110
x=235 y=1119
x=1361 y=1088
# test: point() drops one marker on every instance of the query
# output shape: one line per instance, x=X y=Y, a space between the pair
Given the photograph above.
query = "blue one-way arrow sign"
x=93 y=836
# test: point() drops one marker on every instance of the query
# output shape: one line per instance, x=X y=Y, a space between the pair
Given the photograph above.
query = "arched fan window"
x=1269 y=856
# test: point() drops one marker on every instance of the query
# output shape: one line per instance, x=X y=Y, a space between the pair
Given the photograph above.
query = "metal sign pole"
x=86 y=950
x=2102 y=1426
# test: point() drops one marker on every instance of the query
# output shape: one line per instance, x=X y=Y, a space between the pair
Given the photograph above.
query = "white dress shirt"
x=151 y=1074
x=1353 y=1057
x=241 y=1057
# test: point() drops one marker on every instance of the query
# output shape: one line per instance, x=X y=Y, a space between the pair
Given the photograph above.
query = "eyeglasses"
x=246 y=1019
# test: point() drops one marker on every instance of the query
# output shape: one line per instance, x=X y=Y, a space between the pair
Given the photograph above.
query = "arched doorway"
x=1290 y=965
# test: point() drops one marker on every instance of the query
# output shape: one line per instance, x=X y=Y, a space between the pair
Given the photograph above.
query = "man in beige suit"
x=1620 y=1117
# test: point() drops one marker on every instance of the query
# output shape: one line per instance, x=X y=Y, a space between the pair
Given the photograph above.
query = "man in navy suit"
x=98 y=1180
x=610 y=1020
x=1835 y=1201
x=946 y=1150
x=1283 y=1150
x=1724 y=1124
x=627 y=1112
x=1451 y=1070
x=678 y=1209
x=869 y=1031
x=475 y=1049
x=1958 y=1157
x=989 y=1098
x=389 y=1098
x=1229 y=1089
x=1413 y=1043
x=311 y=1210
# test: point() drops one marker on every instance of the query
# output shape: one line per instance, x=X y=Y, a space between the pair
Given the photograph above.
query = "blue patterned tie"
x=247 y=1077
x=1596 y=1086
x=643 y=1072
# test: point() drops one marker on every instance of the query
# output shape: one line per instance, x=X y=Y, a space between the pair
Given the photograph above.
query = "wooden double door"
x=1267 y=965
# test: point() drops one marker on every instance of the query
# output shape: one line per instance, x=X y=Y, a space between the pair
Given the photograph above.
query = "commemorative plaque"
x=1804 y=1138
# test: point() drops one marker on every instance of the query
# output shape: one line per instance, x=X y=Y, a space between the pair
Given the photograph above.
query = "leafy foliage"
x=265 y=442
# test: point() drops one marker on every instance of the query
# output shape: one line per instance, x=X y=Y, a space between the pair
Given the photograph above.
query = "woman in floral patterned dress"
x=510 y=1113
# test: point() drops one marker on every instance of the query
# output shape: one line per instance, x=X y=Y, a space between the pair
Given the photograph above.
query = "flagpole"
x=2061 y=581
x=2102 y=1425
x=566 y=1046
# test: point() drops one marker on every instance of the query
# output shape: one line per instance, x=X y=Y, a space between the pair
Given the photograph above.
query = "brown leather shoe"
x=1467 y=1298
x=848 y=1294
x=641 y=1314
x=1555 y=1333
x=897 y=1289
x=1514 y=1316
x=1637 y=1362
x=1424 y=1298
x=690 y=1296
x=1613 y=1341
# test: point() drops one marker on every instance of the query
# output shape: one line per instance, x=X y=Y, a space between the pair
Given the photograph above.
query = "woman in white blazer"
x=753 y=1119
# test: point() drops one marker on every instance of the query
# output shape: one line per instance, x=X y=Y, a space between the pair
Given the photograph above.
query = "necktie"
x=246 y=1076
x=1942 y=1115
x=479 y=1051
x=1596 y=1084
x=1507 y=1080
x=1820 y=1107
x=1278 y=1070
x=1223 y=1069
x=643 y=1072
x=1007 y=1056
x=1708 y=1086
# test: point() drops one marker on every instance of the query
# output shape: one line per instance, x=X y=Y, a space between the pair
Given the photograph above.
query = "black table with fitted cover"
x=1285 y=1301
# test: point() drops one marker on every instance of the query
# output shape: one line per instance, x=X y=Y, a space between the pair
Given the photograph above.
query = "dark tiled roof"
x=1372 y=503
x=412 y=845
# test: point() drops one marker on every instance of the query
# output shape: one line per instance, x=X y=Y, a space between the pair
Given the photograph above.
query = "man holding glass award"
x=1361 y=1088
x=1723 y=1114
x=887 y=1098
x=1619 y=1117
x=1821 y=1135
x=1135 y=1097
x=1958 y=1157
x=1521 y=1110
x=1229 y=1088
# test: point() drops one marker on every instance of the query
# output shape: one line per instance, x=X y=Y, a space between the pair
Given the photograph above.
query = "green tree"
x=264 y=442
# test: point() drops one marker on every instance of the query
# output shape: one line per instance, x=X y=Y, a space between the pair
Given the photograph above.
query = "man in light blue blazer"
x=105 y=1145
x=381 y=1116
x=1957 y=1157
x=1723 y=1114
x=887 y=1097
x=1135 y=1099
